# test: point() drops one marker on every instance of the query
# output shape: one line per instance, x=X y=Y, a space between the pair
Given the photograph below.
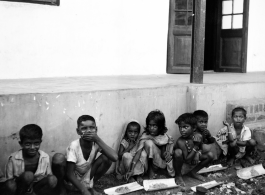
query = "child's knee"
x=58 y=159
x=105 y=160
x=127 y=155
x=11 y=186
x=177 y=153
x=52 y=181
x=27 y=177
x=252 y=142
x=148 y=143
x=210 y=155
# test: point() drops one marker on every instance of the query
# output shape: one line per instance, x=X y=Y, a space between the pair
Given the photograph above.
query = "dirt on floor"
x=232 y=184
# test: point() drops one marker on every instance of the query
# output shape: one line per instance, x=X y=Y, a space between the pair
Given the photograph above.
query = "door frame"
x=244 y=37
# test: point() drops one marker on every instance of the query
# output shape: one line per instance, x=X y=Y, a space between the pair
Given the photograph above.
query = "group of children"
x=142 y=151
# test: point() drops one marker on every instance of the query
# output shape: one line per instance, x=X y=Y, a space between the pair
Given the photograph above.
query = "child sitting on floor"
x=28 y=170
x=127 y=149
x=239 y=137
x=208 y=141
x=82 y=166
x=157 y=144
x=187 y=150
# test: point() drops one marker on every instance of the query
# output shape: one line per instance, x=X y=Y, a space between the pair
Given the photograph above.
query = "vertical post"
x=198 y=37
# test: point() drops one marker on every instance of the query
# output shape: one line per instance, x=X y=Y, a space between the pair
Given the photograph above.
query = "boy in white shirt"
x=82 y=166
x=239 y=137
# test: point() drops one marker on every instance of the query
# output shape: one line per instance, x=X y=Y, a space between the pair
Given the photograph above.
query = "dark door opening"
x=210 y=35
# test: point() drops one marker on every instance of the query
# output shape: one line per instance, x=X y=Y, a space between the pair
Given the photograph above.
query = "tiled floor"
x=74 y=84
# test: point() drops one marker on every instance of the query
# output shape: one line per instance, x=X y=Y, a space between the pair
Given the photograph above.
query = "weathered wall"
x=57 y=114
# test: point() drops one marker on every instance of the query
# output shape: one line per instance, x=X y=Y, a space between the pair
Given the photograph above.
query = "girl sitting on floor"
x=157 y=145
x=126 y=167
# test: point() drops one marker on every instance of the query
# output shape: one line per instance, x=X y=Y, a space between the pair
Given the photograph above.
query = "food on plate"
x=158 y=186
x=254 y=172
x=122 y=190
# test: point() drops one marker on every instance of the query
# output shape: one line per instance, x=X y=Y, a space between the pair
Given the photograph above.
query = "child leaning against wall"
x=128 y=144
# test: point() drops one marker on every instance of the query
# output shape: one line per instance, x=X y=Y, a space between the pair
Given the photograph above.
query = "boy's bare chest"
x=31 y=164
x=86 y=152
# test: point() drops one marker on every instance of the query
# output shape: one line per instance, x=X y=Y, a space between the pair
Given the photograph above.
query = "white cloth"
x=82 y=167
x=245 y=135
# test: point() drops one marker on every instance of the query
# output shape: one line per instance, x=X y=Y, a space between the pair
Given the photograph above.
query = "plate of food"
x=159 y=184
x=124 y=189
x=212 y=168
x=207 y=185
x=250 y=172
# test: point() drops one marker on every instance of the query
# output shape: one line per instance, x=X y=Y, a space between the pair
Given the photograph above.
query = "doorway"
x=226 y=32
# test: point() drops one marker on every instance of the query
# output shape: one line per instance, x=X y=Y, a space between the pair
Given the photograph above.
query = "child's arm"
x=188 y=157
x=106 y=150
x=209 y=137
x=70 y=167
x=122 y=150
x=230 y=135
x=134 y=161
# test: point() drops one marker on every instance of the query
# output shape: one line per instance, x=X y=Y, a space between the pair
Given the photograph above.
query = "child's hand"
x=167 y=156
x=128 y=175
x=197 y=140
x=226 y=123
x=90 y=136
x=86 y=192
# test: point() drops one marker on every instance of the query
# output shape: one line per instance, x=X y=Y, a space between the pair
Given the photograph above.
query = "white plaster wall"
x=256 y=41
x=82 y=38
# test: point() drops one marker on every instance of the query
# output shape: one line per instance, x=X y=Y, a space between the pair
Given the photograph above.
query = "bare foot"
x=196 y=176
x=94 y=192
x=151 y=173
x=249 y=159
x=131 y=179
x=230 y=162
x=139 y=179
x=179 y=181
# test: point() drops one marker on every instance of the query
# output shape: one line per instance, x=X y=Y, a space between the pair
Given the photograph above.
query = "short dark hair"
x=30 y=131
x=134 y=124
x=239 y=108
x=200 y=113
x=187 y=118
x=159 y=119
x=85 y=118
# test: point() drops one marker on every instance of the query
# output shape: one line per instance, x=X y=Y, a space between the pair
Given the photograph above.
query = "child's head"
x=187 y=124
x=239 y=115
x=202 y=119
x=30 y=139
x=156 y=123
x=85 y=123
x=132 y=131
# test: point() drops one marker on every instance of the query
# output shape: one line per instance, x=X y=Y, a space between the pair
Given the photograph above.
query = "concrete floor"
x=101 y=83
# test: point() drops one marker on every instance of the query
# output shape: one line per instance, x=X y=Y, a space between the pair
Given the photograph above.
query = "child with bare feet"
x=187 y=156
x=126 y=167
x=157 y=144
x=28 y=170
x=239 y=137
x=82 y=166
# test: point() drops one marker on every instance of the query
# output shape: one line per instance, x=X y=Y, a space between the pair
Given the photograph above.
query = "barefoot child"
x=208 y=141
x=188 y=149
x=127 y=150
x=157 y=144
x=28 y=170
x=82 y=166
x=239 y=137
